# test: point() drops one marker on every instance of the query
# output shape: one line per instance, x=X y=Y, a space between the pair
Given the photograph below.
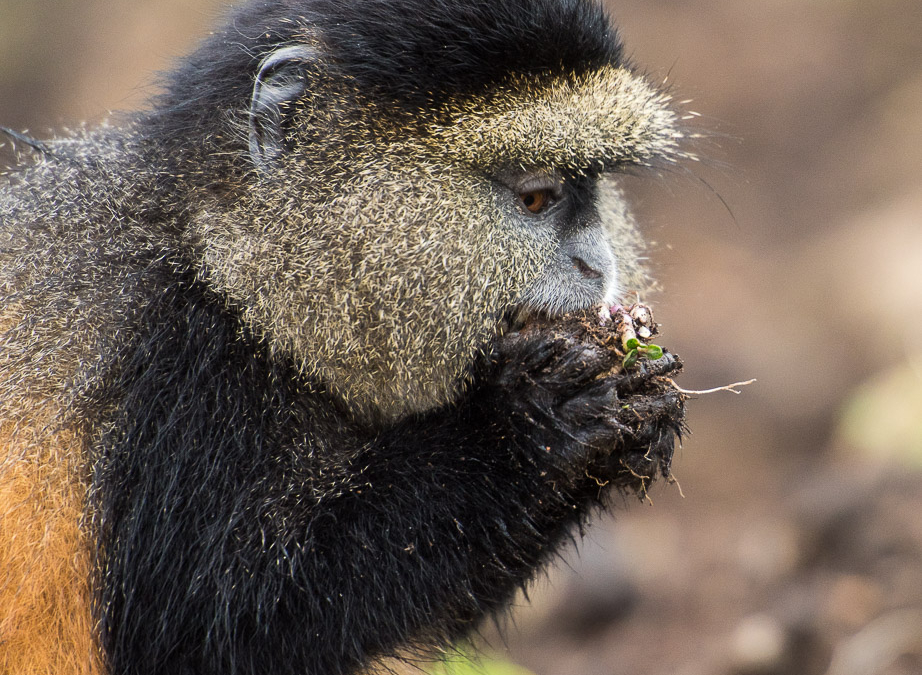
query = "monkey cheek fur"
x=325 y=295
x=386 y=349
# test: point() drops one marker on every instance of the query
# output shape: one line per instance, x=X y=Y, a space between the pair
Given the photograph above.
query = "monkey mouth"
x=516 y=318
x=524 y=314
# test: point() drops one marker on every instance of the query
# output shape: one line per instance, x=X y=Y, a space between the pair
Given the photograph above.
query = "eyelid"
x=553 y=184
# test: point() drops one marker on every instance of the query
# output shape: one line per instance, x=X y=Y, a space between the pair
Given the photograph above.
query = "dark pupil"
x=533 y=201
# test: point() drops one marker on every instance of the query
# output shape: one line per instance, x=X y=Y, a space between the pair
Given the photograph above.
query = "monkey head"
x=465 y=194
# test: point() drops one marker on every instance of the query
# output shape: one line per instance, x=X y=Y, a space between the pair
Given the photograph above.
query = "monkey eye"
x=537 y=201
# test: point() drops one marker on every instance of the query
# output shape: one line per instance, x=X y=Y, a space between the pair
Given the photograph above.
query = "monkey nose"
x=585 y=269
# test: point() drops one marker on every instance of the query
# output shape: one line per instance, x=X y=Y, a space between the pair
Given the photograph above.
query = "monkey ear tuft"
x=282 y=79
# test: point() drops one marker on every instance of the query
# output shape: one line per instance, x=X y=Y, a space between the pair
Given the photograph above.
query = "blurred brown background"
x=797 y=548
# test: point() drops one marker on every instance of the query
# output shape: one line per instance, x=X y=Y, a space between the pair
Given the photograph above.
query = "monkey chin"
x=645 y=411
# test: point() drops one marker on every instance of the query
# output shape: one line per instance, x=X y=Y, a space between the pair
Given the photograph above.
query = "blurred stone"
x=768 y=550
x=879 y=644
x=853 y=601
x=759 y=646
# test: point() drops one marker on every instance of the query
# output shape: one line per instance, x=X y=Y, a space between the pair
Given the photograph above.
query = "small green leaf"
x=633 y=343
x=652 y=352
x=630 y=359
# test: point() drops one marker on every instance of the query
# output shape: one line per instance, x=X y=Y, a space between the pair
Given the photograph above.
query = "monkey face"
x=581 y=269
x=559 y=143
x=382 y=259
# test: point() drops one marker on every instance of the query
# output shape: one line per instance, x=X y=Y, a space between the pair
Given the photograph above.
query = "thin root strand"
x=698 y=392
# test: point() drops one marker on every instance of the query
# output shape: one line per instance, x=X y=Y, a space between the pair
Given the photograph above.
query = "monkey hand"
x=568 y=395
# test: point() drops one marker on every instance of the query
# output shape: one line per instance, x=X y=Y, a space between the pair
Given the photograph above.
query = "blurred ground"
x=797 y=548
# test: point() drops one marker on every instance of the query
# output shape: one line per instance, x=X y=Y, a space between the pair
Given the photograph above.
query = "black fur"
x=456 y=47
x=409 y=52
x=249 y=525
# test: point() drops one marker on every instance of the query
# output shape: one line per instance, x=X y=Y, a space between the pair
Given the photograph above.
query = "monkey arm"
x=450 y=512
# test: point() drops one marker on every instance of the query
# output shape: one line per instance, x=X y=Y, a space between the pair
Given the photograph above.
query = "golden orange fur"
x=46 y=624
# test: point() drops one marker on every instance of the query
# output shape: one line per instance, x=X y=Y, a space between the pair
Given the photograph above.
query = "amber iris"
x=536 y=200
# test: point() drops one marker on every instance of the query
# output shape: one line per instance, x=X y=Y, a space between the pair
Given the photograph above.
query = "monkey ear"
x=281 y=81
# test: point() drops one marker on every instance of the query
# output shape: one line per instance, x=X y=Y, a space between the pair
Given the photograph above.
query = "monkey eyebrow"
x=595 y=122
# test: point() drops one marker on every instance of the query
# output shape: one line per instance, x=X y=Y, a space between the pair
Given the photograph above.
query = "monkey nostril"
x=584 y=269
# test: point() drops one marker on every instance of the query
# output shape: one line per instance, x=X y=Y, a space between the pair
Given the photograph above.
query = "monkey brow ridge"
x=581 y=122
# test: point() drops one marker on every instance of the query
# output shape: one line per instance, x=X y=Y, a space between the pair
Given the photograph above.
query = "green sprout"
x=636 y=350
